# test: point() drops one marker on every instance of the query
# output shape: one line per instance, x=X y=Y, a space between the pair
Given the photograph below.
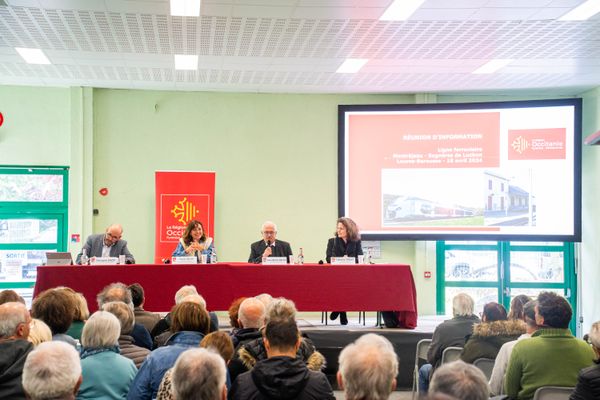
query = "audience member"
x=248 y=354
x=146 y=318
x=124 y=314
x=251 y=317
x=460 y=380
x=232 y=312
x=56 y=308
x=448 y=334
x=80 y=313
x=368 y=368
x=517 y=306
x=199 y=374
x=52 y=371
x=489 y=335
x=9 y=295
x=497 y=377
x=266 y=299
x=281 y=375
x=120 y=292
x=106 y=373
x=14 y=348
x=39 y=332
x=108 y=244
x=588 y=381
x=190 y=323
x=552 y=356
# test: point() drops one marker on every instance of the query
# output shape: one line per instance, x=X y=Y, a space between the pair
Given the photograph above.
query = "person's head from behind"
x=123 y=313
x=234 y=312
x=199 y=374
x=52 y=371
x=39 y=332
x=220 y=342
x=368 y=368
x=553 y=311
x=188 y=316
x=115 y=292
x=101 y=331
x=462 y=305
x=137 y=294
x=493 y=311
x=594 y=337
x=529 y=316
x=14 y=321
x=517 y=306
x=460 y=380
x=56 y=308
x=281 y=337
x=281 y=308
x=183 y=292
x=266 y=299
x=10 y=296
x=251 y=313
x=194 y=232
x=346 y=229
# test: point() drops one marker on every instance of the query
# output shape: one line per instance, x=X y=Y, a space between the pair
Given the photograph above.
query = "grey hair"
x=462 y=305
x=368 y=368
x=262 y=227
x=39 y=332
x=461 y=380
x=281 y=308
x=123 y=313
x=198 y=374
x=101 y=330
x=594 y=335
x=115 y=292
x=12 y=314
x=185 y=291
x=266 y=299
x=194 y=298
x=51 y=371
x=252 y=313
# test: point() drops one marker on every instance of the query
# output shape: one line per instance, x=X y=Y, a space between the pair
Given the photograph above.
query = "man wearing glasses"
x=108 y=244
x=268 y=246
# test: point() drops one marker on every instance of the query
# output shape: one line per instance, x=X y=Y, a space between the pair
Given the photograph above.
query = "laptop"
x=58 y=258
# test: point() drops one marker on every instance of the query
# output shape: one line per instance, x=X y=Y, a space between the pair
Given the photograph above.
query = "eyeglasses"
x=113 y=237
x=269 y=232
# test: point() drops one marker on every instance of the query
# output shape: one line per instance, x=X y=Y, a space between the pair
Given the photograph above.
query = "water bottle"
x=213 y=256
x=84 y=257
x=301 y=257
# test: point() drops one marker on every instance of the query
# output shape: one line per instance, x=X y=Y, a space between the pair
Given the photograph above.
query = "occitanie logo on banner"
x=177 y=210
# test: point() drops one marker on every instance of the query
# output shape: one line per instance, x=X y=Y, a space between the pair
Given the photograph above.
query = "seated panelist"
x=194 y=242
x=346 y=243
x=269 y=246
x=108 y=244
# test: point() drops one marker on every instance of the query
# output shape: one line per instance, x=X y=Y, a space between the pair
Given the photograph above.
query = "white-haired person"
x=199 y=374
x=52 y=371
x=588 y=381
x=368 y=368
x=269 y=245
x=106 y=373
x=124 y=314
x=449 y=333
x=460 y=380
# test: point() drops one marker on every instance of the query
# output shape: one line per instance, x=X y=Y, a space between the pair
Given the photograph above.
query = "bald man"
x=108 y=244
x=14 y=347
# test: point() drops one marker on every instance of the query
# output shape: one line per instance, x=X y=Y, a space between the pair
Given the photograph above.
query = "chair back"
x=486 y=365
x=420 y=354
x=451 y=354
x=553 y=393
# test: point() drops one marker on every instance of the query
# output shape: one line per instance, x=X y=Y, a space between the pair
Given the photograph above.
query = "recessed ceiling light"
x=32 y=56
x=401 y=10
x=582 y=12
x=185 y=8
x=186 y=62
x=492 y=66
x=351 y=65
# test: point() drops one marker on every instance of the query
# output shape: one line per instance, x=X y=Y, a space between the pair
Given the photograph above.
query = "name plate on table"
x=184 y=260
x=275 y=261
x=104 y=260
x=343 y=260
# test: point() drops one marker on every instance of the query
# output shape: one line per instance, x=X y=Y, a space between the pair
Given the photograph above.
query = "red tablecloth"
x=312 y=287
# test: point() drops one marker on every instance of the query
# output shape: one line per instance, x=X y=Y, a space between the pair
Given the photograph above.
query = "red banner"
x=180 y=198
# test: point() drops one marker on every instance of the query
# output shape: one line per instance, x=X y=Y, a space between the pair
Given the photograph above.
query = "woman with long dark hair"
x=194 y=242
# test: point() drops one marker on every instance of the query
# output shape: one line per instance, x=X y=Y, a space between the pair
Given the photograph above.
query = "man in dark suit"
x=108 y=244
x=269 y=246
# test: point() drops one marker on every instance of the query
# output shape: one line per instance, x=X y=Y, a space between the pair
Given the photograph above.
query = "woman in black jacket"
x=346 y=243
x=588 y=382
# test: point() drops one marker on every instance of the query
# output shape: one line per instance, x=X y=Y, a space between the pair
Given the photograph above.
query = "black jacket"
x=336 y=247
x=280 y=249
x=12 y=358
x=281 y=378
x=244 y=335
x=588 y=384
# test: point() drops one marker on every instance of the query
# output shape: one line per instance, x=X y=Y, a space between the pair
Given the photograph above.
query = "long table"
x=312 y=287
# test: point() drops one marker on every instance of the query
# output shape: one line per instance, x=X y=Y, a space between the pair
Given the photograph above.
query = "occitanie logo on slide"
x=537 y=144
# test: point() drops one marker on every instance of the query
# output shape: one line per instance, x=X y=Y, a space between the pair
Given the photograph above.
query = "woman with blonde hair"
x=39 y=332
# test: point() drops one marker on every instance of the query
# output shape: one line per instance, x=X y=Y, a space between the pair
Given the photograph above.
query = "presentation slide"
x=483 y=171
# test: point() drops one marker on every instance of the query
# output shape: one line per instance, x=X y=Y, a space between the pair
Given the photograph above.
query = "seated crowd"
x=57 y=350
